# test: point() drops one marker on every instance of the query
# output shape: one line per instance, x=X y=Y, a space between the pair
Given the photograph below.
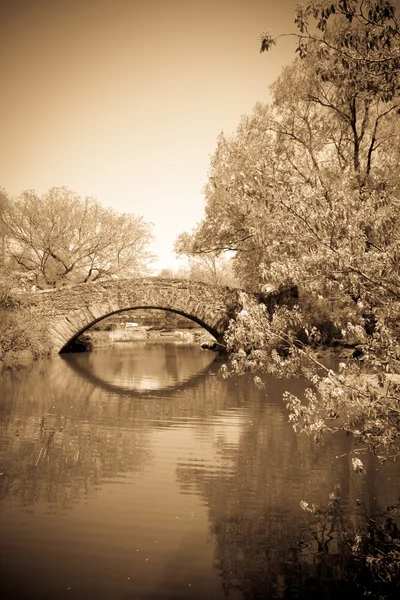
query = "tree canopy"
x=61 y=237
x=307 y=191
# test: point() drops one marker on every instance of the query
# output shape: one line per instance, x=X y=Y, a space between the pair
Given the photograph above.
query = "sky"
x=123 y=100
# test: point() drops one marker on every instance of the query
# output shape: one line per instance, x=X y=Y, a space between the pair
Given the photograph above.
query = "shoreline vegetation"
x=23 y=338
x=90 y=340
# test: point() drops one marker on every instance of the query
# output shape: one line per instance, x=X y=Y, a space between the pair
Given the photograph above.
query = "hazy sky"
x=124 y=99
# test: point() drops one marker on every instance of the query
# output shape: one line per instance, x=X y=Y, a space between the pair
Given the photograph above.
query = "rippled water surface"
x=137 y=472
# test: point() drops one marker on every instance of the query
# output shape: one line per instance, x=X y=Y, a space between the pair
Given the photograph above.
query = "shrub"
x=329 y=318
x=22 y=337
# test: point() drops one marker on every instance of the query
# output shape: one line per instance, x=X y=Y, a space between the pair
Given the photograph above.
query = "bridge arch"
x=96 y=309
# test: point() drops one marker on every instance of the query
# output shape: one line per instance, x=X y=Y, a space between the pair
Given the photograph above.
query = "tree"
x=213 y=269
x=166 y=274
x=209 y=267
x=356 y=63
x=61 y=237
x=330 y=118
x=307 y=192
x=232 y=222
x=4 y=201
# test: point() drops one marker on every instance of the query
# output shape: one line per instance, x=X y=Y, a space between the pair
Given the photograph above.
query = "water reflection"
x=142 y=368
x=196 y=489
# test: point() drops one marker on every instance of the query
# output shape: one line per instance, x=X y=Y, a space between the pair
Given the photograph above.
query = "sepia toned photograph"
x=199 y=300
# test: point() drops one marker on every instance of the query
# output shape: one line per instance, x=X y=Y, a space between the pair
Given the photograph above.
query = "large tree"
x=61 y=237
x=307 y=191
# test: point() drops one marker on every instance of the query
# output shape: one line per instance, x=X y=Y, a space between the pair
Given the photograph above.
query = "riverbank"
x=98 y=339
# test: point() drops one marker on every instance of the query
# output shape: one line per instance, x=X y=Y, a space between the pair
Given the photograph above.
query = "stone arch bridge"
x=70 y=310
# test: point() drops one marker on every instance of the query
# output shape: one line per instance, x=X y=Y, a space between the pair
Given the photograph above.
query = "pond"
x=137 y=472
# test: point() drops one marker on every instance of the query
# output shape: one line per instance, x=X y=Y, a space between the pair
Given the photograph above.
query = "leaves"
x=267 y=41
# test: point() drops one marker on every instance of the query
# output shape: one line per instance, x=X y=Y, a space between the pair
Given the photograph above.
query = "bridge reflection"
x=65 y=428
x=143 y=368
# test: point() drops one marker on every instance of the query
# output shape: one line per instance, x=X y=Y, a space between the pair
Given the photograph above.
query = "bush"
x=329 y=317
x=22 y=337
x=369 y=554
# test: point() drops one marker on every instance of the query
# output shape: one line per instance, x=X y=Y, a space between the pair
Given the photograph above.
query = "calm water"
x=137 y=472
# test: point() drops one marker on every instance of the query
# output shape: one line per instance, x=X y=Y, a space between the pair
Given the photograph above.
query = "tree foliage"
x=61 y=237
x=355 y=41
x=209 y=267
x=307 y=191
